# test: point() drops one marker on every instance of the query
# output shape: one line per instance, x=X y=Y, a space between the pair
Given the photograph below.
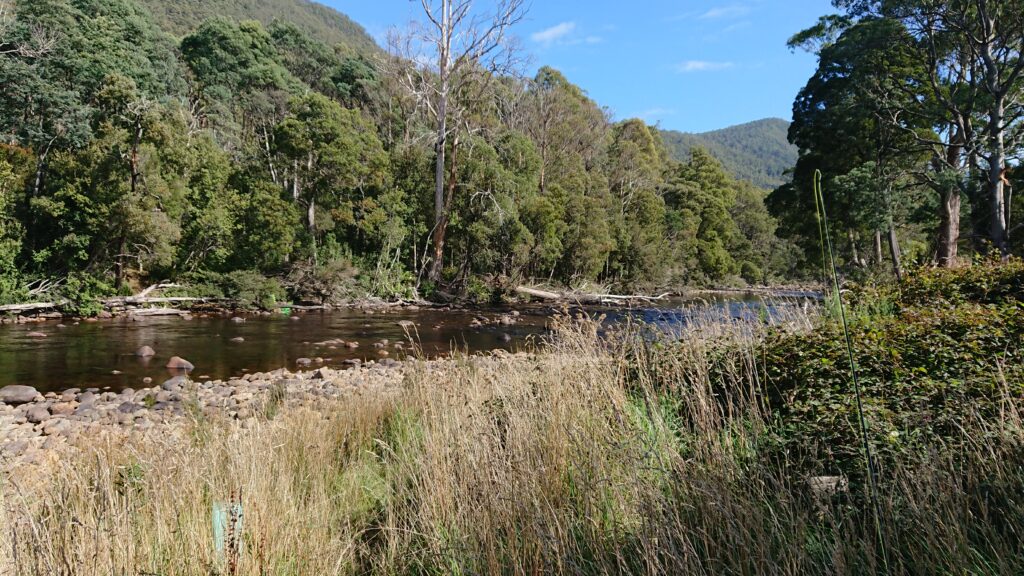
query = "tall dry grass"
x=602 y=455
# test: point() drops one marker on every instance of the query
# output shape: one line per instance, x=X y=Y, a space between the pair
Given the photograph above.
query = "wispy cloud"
x=702 y=66
x=564 y=34
x=655 y=113
x=730 y=11
x=554 y=34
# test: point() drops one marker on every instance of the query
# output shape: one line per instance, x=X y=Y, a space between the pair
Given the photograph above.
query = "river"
x=102 y=354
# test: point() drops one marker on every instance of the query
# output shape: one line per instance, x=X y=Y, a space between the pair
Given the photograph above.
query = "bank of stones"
x=35 y=428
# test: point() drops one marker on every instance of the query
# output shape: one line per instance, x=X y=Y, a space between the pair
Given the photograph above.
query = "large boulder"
x=145 y=352
x=17 y=394
x=178 y=363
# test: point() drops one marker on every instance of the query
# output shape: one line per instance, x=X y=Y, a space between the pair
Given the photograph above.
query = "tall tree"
x=462 y=48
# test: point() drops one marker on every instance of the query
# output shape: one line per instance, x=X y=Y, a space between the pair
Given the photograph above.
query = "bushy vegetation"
x=731 y=451
x=135 y=157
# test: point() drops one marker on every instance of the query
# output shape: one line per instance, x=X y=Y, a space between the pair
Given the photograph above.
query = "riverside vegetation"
x=730 y=449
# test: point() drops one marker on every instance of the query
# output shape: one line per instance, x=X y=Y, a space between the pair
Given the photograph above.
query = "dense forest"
x=248 y=156
x=757 y=152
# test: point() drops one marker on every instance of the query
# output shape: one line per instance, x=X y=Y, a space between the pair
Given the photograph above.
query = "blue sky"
x=691 y=65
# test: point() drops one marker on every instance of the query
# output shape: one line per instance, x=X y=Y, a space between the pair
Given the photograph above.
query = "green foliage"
x=84 y=294
x=941 y=361
x=985 y=283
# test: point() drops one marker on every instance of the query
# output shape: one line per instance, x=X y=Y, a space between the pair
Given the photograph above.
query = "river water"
x=102 y=354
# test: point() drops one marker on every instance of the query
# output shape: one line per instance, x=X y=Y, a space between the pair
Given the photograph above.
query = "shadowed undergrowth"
x=730 y=451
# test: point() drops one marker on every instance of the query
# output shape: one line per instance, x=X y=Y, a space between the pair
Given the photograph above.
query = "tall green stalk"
x=819 y=200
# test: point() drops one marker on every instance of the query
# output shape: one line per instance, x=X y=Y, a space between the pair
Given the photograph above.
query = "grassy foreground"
x=731 y=451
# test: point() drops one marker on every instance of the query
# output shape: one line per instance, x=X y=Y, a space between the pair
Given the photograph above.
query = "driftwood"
x=143 y=300
x=158 y=312
x=584 y=298
x=303 y=307
x=541 y=294
x=19 y=308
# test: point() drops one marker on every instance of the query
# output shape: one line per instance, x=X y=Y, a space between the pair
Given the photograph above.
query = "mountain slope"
x=757 y=152
x=179 y=17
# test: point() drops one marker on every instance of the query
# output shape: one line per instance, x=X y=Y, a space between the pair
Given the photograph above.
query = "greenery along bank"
x=245 y=149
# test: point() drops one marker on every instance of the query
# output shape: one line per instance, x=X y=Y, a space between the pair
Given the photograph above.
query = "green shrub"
x=247 y=288
x=250 y=288
x=929 y=376
x=984 y=283
x=84 y=293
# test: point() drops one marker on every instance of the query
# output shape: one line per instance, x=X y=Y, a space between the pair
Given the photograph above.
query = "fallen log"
x=158 y=312
x=586 y=298
x=19 y=308
x=541 y=294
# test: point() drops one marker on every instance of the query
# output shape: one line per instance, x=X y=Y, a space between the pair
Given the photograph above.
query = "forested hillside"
x=256 y=161
x=756 y=152
x=179 y=17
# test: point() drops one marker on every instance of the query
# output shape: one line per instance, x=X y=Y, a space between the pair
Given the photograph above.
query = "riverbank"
x=732 y=447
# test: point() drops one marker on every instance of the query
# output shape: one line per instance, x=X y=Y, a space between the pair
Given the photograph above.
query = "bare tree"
x=446 y=63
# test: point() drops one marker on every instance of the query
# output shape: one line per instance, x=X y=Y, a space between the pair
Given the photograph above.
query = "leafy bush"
x=247 y=288
x=83 y=294
x=330 y=283
x=985 y=283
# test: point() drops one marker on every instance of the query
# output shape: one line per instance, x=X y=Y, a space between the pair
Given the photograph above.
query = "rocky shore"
x=36 y=428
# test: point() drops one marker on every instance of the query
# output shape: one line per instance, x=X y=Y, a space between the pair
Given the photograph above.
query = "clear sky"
x=691 y=65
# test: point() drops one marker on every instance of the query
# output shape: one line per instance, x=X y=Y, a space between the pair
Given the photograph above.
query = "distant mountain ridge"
x=179 y=17
x=757 y=152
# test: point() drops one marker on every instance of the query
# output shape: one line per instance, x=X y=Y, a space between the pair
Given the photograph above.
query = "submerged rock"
x=178 y=363
x=145 y=352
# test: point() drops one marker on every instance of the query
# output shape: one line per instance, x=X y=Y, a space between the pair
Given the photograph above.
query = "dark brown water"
x=101 y=354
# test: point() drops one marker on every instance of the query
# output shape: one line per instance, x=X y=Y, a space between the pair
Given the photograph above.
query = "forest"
x=248 y=157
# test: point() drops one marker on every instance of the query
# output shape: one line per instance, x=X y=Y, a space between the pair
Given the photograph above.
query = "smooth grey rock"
x=145 y=352
x=174 y=384
x=304 y=362
x=129 y=408
x=17 y=394
x=37 y=414
x=238 y=339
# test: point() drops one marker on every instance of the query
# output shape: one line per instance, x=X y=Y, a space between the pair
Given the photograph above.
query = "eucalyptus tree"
x=967 y=88
x=445 y=63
